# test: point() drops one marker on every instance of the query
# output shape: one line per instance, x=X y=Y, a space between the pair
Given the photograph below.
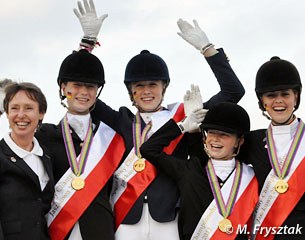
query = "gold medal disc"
x=78 y=183
x=139 y=165
x=281 y=186
x=225 y=225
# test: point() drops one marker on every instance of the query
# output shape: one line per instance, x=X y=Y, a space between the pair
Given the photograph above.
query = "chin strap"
x=63 y=97
x=158 y=108
x=209 y=155
x=290 y=119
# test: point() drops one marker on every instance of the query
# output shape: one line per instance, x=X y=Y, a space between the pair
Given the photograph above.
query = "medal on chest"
x=139 y=165
x=224 y=208
x=77 y=166
x=78 y=183
x=225 y=225
x=281 y=185
x=139 y=137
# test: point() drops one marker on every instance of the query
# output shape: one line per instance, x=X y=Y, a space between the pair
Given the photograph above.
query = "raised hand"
x=193 y=34
x=192 y=122
x=192 y=100
x=90 y=23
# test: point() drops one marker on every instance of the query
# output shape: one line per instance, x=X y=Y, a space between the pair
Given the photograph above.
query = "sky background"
x=36 y=35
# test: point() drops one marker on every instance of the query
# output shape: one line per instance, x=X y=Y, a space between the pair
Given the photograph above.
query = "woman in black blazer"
x=26 y=178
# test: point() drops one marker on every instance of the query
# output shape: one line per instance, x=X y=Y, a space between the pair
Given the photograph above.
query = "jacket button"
x=38 y=224
x=39 y=199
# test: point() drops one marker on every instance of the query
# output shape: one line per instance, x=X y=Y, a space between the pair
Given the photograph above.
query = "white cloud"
x=15 y=9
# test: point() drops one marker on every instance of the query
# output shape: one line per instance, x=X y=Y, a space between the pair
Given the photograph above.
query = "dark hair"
x=32 y=91
x=5 y=82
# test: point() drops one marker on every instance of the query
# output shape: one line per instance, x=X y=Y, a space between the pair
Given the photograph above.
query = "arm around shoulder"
x=152 y=150
x=153 y=147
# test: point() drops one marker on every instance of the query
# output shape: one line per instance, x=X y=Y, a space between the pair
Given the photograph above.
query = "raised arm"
x=120 y=121
x=90 y=23
x=231 y=88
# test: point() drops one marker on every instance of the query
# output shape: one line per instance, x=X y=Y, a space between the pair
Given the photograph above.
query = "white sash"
x=126 y=171
x=63 y=188
x=210 y=219
x=268 y=194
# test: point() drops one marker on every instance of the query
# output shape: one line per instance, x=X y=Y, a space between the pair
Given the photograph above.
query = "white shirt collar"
x=285 y=129
x=79 y=123
x=146 y=116
x=37 y=150
x=223 y=168
x=224 y=163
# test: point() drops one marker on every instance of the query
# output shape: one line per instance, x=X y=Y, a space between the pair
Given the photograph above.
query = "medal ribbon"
x=224 y=209
x=282 y=172
x=77 y=167
x=138 y=137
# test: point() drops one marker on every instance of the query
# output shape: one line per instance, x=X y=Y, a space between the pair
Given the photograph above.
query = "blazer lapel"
x=46 y=160
x=19 y=162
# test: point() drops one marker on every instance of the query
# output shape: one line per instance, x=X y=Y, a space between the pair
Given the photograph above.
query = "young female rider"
x=218 y=192
x=277 y=154
x=82 y=149
x=146 y=201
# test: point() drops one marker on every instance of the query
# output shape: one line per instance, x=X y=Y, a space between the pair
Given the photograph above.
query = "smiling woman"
x=78 y=144
x=25 y=110
x=26 y=177
x=277 y=153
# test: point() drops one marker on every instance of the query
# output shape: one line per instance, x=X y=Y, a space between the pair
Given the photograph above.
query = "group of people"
x=182 y=171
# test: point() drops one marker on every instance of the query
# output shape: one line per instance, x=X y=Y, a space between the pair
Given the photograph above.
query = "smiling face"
x=80 y=96
x=23 y=116
x=280 y=105
x=221 y=145
x=148 y=95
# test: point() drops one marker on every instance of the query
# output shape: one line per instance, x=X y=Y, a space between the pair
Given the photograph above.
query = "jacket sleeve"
x=117 y=120
x=195 y=145
x=231 y=89
x=254 y=145
x=1 y=232
x=152 y=150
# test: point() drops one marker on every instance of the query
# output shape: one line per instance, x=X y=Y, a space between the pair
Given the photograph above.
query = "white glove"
x=193 y=121
x=192 y=100
x=193 y=35
x=88 y=19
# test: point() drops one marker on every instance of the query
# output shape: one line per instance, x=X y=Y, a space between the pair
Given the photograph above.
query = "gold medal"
x=281 y=186
x=78 y=183
x=139 y=165
x=225 y=225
